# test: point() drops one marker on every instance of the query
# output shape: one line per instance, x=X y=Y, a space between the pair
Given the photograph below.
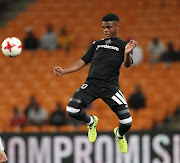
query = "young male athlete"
x=106 y=57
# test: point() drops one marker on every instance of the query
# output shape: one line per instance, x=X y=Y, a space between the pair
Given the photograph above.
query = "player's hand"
x=3 y=157
x=130 y=46
x=58 y=71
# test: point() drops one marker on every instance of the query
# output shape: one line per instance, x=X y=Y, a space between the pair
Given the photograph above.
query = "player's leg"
x=118 y=104
x=80 y=99
x=75 y=109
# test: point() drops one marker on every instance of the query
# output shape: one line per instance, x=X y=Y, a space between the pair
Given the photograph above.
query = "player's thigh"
x=83 y=96
x=118 y=104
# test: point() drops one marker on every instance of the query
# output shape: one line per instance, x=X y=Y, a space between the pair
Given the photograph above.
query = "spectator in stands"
x=18 y=118
x=37 y=115
x=31 y=105
x=177 y=58
x=3 y=5
x=169 y=54
x=30 y=41
x=156 y=49
x=58 y=117
x=137 y=99
x=64 y=40
x=49 y=39
x=178 y=109
x=137 y=55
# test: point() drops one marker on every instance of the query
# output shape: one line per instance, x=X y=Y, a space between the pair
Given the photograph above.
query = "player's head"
x=110 y=25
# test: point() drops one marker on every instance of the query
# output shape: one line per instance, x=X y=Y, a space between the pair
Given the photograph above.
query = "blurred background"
x=58 y=32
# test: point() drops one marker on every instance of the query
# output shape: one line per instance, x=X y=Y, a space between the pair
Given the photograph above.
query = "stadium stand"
x=33 y=74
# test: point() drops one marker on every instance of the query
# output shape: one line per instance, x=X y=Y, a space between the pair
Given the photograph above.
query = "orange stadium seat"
x=30 y=128
x=48 y=128
x=12 y=129
x=67 y=128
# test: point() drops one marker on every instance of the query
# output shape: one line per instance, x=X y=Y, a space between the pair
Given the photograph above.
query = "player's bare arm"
x=72 y=68
x=127 y=58
x=3 y=157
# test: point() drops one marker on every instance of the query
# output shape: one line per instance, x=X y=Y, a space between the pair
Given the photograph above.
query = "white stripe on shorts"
x=121 y=97
x=125 y=121
x=72 y=110
x=117 y=100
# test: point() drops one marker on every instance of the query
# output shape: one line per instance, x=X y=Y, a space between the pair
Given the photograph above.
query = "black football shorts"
x=93 y=89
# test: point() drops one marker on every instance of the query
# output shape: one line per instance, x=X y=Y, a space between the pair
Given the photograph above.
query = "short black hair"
x=110 y=17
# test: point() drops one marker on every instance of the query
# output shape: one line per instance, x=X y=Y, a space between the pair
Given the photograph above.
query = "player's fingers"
x=57 y=68
x=134 y=42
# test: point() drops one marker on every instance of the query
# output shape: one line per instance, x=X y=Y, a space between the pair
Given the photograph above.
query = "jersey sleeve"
x=1 y=146
x=89 y=54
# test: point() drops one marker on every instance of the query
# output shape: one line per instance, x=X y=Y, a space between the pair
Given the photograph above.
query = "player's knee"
x=72 y=112
x=122 y=111
x=126 y=123
x=76 y=103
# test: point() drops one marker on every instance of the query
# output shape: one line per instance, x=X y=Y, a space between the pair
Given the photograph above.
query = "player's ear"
x=118 y=26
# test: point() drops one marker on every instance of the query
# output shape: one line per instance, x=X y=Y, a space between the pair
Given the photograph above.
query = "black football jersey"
x=106 y=57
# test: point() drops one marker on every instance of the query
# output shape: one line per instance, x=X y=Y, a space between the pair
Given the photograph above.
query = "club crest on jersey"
x=108 y=41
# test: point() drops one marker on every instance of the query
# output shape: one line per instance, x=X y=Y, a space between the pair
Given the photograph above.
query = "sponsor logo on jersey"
x=108 y=41
x=107 y=47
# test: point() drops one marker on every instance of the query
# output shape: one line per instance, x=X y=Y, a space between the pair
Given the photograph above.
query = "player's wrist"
x=127 y=53
x=64 y=71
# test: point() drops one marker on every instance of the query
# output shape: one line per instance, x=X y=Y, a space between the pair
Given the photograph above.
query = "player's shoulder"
x=98 y=41
x=119 y=40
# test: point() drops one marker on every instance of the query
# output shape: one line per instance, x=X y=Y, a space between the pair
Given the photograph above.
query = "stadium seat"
x=30 y=129
x=48 y=128
x=68 y=128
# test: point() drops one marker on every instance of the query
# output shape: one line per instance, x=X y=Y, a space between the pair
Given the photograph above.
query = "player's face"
x=110 y=29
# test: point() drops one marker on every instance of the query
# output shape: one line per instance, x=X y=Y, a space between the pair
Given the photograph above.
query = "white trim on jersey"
x=119 y=98
x=1 y=146
x=125 y=121
x=72 y=110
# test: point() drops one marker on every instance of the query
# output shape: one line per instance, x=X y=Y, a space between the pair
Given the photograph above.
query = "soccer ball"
x=11 y=47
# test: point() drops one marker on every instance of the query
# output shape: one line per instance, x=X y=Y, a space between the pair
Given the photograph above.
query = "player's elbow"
x=127 y=65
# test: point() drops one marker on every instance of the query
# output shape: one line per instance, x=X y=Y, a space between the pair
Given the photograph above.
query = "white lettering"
x=159 y=150
x=104 y=143
x=62 y=148
x=40 y=154
x=146 y=149
x=82 y=149
x=107 y=47
x=176 y=148
x=18 y=142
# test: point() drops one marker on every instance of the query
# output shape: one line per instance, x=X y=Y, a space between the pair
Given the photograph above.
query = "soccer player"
x=3 y=157
x=106 y=57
